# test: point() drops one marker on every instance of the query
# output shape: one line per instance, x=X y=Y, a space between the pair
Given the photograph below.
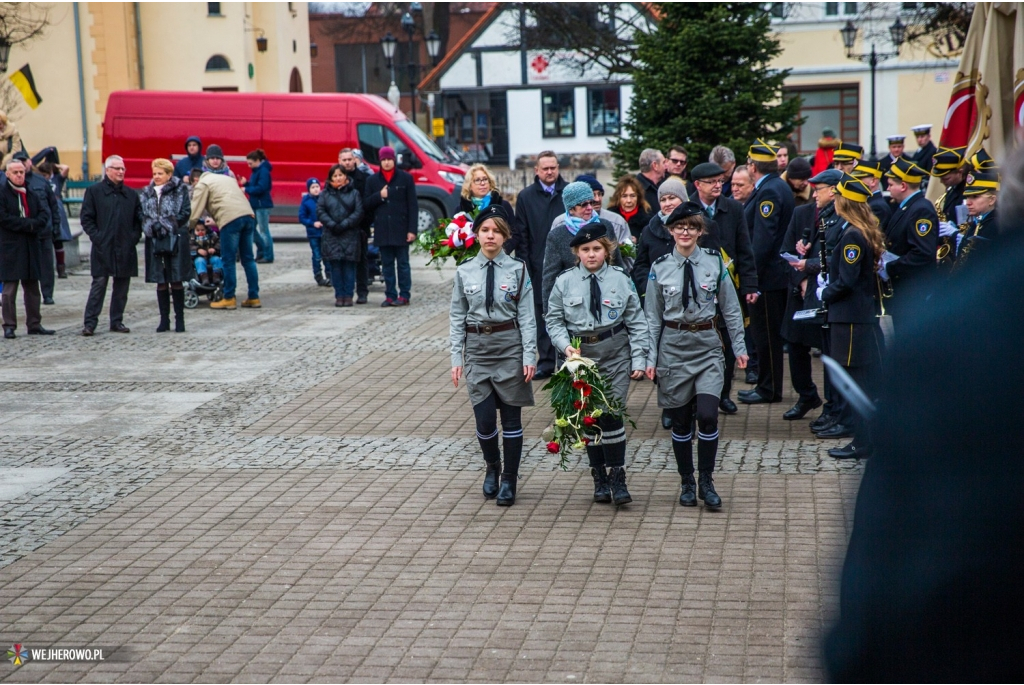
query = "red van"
x=301 y=134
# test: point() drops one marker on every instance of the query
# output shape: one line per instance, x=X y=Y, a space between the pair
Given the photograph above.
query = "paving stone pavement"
x=292 y=494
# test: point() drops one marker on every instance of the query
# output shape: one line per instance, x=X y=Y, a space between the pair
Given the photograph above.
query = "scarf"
x=22 y=199
x=481 y=203
x=388 y=175
x=573 y=223
x=628 y=214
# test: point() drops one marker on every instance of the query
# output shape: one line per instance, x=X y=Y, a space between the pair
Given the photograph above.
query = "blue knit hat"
x=592 y=182
x=576 y=193
x=311 y=181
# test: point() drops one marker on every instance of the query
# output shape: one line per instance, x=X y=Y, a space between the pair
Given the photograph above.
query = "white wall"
x=525 y=125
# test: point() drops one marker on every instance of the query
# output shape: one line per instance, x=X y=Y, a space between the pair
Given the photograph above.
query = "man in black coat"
x=391 y=199
x=911 y=234
x=930 y=586
x=768 y=213
x=347 y=160
x=537 y=207
x=112 y=218
x=727 y=232
x=51 y=213
x=21 y=222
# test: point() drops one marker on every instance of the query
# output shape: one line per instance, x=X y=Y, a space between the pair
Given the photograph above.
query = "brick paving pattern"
x=292 y=494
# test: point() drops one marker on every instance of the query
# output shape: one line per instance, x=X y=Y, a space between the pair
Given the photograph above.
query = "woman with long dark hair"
x=165 y=210
x=851 y=296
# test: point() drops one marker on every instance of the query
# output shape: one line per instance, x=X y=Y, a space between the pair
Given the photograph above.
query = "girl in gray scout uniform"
x=494 y=344
x=598 y=303
x=685 y=352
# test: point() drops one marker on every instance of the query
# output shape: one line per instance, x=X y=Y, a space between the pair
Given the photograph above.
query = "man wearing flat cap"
x=911 y=234
x=728 y=233
x=768 y=213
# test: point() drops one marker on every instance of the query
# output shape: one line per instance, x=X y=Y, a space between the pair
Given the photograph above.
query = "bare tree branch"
x=21 y=22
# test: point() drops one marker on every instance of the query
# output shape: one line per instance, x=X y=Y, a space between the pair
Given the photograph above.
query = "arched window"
x=218 y=63
x=295 y=82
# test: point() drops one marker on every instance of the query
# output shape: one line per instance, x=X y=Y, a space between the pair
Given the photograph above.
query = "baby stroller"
x=214 y=292
x=373 y=269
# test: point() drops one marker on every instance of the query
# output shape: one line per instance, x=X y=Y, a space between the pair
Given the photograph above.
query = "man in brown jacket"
x=224 y=201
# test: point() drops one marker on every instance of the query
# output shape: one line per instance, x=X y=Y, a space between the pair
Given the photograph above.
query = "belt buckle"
x=693 y=328
x=593 y=339
x=488 y=329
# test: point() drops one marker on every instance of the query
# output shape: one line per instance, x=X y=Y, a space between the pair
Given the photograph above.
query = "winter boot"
x=706 y=490
x=319 y=279
x=617 y=479
x=204 y=278
x=62 y=271
x=491 y=478
x=601 y=491
x=688 y=495
x=163 y=300
x=507 y=490
x=179 y=309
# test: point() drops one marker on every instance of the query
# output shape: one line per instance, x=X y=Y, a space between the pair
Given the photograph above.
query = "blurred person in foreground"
x=930 y=582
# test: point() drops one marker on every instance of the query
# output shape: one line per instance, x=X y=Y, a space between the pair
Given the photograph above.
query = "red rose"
x=460 y=221
x=586 y=441
x=469 y=242
x=553 y=447
x=589 y=420
x=586 y=390
x=579 y=385
x=578 y=404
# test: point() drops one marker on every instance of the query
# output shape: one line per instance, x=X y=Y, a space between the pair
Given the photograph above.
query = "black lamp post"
x=897 y=32
x=433 y=47
x=409 y=26
x=5 y=53
x=388 y=44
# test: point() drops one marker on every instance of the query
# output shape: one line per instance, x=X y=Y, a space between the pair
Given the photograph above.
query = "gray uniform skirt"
x=613 y=361
x=494 y=364
x=689 y=363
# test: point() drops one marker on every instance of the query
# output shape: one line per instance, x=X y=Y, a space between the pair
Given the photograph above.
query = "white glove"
x=882 y=273
x=946 y=229
x=959 y=237
x=819 y=291
x=822 y=281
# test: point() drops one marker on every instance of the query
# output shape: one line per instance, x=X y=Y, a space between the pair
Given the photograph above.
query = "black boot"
x=601 y=491
x=179 y=310
x=688 y=495
x=204 y=278
x=491 y=479
x=706 y=490
x=163 y=300
x=617 y=478
x=507 y=490
x=319 y=279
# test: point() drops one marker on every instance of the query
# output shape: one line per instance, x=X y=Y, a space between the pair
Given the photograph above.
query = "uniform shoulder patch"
x=710 y=250
x=766 y=208
x=571 y=268
x=618 y=268
x=661 y=258
x=851 y=253
x=923 y=227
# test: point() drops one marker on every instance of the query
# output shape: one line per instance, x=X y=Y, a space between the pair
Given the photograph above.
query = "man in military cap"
x=728 y=233
x=980 y=196
x=768 y=212
x=870 y=173
x=846 y=157
x=912 y=235
x=895 y=152
x=950 y=167
x=925 y=147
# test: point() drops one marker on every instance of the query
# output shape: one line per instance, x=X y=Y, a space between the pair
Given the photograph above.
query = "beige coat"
x=220 y=197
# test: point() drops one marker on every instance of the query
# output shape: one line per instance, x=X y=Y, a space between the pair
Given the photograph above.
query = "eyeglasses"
x=685 y=229
x=482 y=181
x=115 y=168
x=712 y=182
x=677 y=161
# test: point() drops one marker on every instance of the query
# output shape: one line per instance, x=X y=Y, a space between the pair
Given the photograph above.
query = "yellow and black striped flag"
x=23 y=81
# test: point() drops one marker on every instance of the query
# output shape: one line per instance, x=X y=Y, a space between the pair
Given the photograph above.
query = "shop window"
x=603 y=112
x=559 y=112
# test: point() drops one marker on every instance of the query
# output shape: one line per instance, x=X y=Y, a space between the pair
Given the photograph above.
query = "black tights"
x=706 y=408
x=174 y=286
x=612 y=449
x=511 y=431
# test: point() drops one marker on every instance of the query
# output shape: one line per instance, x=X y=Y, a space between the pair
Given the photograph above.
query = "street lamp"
x=409 y=26
x=897 y=32
x=5 y=53
x=433 y=46
x=388 y=44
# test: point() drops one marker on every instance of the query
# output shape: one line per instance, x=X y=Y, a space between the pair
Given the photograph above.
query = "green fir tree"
x=704 y=80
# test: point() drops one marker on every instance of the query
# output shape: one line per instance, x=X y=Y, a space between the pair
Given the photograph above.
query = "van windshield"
x=423 y=141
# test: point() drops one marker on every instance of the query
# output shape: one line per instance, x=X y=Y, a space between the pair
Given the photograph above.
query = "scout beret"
x=589 y=234
x=495 y=211
x=682 y=211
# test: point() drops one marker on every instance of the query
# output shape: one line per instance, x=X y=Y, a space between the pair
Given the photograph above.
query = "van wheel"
x=429 y=215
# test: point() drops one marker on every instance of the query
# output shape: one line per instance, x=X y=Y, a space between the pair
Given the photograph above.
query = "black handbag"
x=165 y=246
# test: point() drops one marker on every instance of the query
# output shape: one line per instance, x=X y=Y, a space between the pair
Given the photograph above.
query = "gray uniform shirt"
x=513 y=299
x=569 y=309
x=664 y=300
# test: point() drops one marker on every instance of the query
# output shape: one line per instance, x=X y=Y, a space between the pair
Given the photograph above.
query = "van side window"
x=372 y=137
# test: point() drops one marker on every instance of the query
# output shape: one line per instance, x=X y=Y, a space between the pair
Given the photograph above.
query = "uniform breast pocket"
x=613 y=306
x=707 y=292
x=672 y=294
x=474 y=292
x=510 y=291
x=574 y=312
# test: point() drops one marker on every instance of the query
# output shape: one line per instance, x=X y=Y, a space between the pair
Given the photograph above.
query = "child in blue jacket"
x=314 y=230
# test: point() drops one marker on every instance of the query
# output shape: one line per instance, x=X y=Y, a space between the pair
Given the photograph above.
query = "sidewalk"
x=293 y=494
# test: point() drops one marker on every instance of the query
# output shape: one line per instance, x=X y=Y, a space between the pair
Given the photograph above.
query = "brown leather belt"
x=593 y=338
x=487 y=329
x=692 y=327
